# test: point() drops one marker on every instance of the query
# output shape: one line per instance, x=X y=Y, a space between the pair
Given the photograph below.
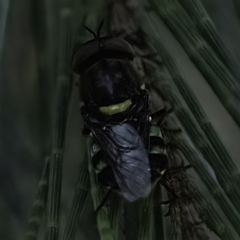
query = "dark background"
x=27 y=87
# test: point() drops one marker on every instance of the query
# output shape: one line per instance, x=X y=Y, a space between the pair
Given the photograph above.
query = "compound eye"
x=116 y=108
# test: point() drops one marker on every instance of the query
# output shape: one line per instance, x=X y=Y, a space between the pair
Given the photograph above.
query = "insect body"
x=135 y=153
x=116 y=112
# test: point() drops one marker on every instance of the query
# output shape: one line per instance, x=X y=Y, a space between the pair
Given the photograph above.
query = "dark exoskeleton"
x=134 y=154
x=116 y=112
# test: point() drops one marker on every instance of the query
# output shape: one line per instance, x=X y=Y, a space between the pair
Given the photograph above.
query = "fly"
x=116 y=112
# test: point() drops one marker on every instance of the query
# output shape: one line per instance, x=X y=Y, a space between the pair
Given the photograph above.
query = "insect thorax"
x=109 y=81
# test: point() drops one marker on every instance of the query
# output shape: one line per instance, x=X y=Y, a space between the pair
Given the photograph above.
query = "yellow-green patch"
x=116 y=108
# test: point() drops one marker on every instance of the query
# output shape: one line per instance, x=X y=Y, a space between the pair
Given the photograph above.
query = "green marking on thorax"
x=116 y=108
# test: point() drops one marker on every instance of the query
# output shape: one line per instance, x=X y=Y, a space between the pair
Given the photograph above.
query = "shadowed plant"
x=178 y=207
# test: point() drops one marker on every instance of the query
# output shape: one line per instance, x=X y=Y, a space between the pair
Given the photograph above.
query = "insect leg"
x=103 y=201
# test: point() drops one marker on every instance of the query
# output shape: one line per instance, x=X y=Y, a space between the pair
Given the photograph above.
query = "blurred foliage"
x=197 y=42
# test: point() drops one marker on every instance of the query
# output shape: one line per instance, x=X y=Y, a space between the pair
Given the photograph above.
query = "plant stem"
x=39 y=204
x=209 y=154
x=237 y=7
x=4 y=6
x=83 y=186
x=54 y=194
x=103 y=220
x=224 y=158
x=63 y=93
x=201 y=53
x=206 y=210
x=208 y=29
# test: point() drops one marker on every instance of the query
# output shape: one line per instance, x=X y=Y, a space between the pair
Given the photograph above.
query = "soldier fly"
x=116 y=112
x=133 y=153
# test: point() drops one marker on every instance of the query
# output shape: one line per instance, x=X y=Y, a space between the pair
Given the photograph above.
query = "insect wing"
x=125 y=152
x=133 y=163
x=128 y=158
